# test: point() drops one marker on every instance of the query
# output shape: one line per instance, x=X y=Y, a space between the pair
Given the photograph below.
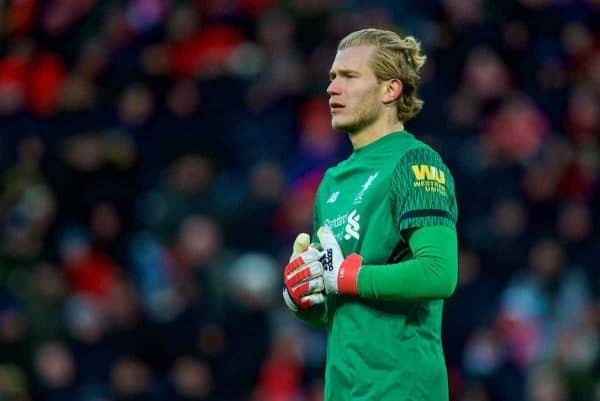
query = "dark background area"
x=158 y=158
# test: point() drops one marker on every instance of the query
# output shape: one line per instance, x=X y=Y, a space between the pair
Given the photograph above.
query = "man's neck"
x=373 y=132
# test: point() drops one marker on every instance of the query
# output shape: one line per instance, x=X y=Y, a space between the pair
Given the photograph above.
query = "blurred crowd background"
x=158 y=157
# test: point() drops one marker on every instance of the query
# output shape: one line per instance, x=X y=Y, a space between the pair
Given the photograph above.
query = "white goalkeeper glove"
x=303 y=276
x=340 y=274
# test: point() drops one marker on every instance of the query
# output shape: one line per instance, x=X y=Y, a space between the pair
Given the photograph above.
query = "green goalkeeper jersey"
x=385 y=349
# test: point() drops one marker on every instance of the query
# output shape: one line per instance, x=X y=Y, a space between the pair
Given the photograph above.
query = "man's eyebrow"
x=343 y=71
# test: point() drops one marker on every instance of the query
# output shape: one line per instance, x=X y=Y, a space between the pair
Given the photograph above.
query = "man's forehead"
x=352 y=58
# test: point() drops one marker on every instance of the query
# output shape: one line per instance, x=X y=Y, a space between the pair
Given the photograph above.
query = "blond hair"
x=394 y=58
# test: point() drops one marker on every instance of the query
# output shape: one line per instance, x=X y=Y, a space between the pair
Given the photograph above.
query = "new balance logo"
x=352 y=227
x=333 y=197
x=430 y=173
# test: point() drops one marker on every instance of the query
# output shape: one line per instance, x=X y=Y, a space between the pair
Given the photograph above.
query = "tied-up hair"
x=394 y=57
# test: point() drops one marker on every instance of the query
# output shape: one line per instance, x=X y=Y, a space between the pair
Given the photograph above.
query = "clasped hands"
x=318 y=269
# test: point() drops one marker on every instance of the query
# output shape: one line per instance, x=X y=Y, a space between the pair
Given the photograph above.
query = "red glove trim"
x=348 y=274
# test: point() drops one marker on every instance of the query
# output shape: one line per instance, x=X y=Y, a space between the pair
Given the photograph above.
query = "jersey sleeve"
x=422 y=191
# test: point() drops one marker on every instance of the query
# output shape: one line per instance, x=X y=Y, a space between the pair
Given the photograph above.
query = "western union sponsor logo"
x=430 y=173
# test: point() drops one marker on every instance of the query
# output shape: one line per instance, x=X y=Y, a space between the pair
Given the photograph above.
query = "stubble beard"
x=365 y=116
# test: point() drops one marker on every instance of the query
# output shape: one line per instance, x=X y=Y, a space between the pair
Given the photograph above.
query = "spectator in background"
x=190 y=380
x=93 y=350
x=186 y=189
x=253 y=289
x=27 y=207
x=131 y=381
x=253 y=212
x=55 y=372
x=45 y=297
x=90 y=273
x=542 y=302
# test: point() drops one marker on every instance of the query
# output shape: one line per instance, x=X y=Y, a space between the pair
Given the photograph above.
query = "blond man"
x=386 y=222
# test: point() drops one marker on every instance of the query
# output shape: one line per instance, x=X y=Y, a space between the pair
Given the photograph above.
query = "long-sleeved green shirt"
x=393 y=203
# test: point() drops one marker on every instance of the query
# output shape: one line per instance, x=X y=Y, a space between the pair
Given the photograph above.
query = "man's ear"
x=393 y=90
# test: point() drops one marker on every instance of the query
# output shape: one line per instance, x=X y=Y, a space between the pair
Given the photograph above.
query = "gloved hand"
x=340 y=274
x=303 y=276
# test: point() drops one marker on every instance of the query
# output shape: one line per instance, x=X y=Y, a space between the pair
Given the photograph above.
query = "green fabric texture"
x=316 y=316
x=432 y=273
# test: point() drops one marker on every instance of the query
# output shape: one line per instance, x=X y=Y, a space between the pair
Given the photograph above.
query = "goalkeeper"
x=386 y=225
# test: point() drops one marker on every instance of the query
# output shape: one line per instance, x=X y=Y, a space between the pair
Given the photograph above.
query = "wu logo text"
x=429 y=173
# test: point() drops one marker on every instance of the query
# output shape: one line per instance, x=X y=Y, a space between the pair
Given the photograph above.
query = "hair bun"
x=412 y=49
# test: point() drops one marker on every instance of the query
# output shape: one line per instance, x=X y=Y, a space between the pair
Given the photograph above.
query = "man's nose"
x=333 y=88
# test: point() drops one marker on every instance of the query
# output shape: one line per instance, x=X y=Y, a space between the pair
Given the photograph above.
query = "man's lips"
x=335 y=106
